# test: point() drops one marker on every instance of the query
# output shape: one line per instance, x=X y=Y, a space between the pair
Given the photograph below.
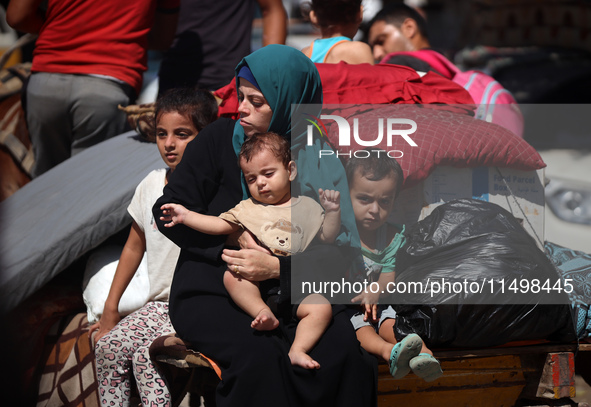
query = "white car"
x=568 y=198
x=561 y=133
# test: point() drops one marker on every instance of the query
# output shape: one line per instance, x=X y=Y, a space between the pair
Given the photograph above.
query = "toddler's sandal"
x=426 y=367
x=402 y=353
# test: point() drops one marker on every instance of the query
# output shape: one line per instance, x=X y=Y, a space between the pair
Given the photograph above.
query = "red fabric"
x=443 y=137
x=370 y=84
x=107 y=37
x=385 y=83
x=228 y=107
x=485 y=91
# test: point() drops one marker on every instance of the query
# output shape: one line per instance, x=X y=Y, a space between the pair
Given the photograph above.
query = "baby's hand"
x=173 y=213
x=330 y=199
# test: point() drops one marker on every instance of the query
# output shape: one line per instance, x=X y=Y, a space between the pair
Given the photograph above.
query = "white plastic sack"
x=98 y=276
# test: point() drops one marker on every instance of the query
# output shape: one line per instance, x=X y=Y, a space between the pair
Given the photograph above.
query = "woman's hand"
x=104 y=325
x=252 y=264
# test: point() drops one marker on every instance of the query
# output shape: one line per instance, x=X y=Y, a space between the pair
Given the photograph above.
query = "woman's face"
x=173 y=133
x=255 y=112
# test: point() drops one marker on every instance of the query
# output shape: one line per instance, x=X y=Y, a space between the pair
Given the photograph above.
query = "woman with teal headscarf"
x=289 y=92
x=256 y=369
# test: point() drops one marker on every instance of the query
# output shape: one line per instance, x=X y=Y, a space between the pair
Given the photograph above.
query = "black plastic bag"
x=480 y=244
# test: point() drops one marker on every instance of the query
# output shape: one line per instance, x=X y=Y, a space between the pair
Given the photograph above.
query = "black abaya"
x=256 y=369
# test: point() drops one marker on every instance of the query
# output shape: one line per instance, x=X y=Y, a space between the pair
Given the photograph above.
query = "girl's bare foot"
x=299 y=358
x=265 y=321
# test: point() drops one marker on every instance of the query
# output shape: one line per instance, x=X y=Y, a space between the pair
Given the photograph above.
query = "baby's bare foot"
x=302 y=359
x=265 y=321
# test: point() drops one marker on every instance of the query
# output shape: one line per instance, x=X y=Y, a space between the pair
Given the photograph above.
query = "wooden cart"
x=519 y=374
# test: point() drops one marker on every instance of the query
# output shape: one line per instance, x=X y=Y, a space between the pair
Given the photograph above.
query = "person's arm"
x=274 y=21
x=385 y=279
x=164 y=28
x=179 y=215
x=331 y=202
x=25 y=15
x=354 y=52
x=206 y=181
x=324 y=263
x=130 y=259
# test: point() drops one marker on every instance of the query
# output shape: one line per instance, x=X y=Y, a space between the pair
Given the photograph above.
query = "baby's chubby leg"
x=246 y=295
x=315 y=314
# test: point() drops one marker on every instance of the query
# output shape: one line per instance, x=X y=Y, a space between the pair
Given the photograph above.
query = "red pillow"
x=443 y=137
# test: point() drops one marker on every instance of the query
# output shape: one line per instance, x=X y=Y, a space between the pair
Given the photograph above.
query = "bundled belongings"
x=370 y=84
x=30 y=260
x=445 y=135
x=501 y=286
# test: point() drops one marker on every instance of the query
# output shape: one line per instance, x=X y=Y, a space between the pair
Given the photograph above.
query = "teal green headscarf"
x=287 y=77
